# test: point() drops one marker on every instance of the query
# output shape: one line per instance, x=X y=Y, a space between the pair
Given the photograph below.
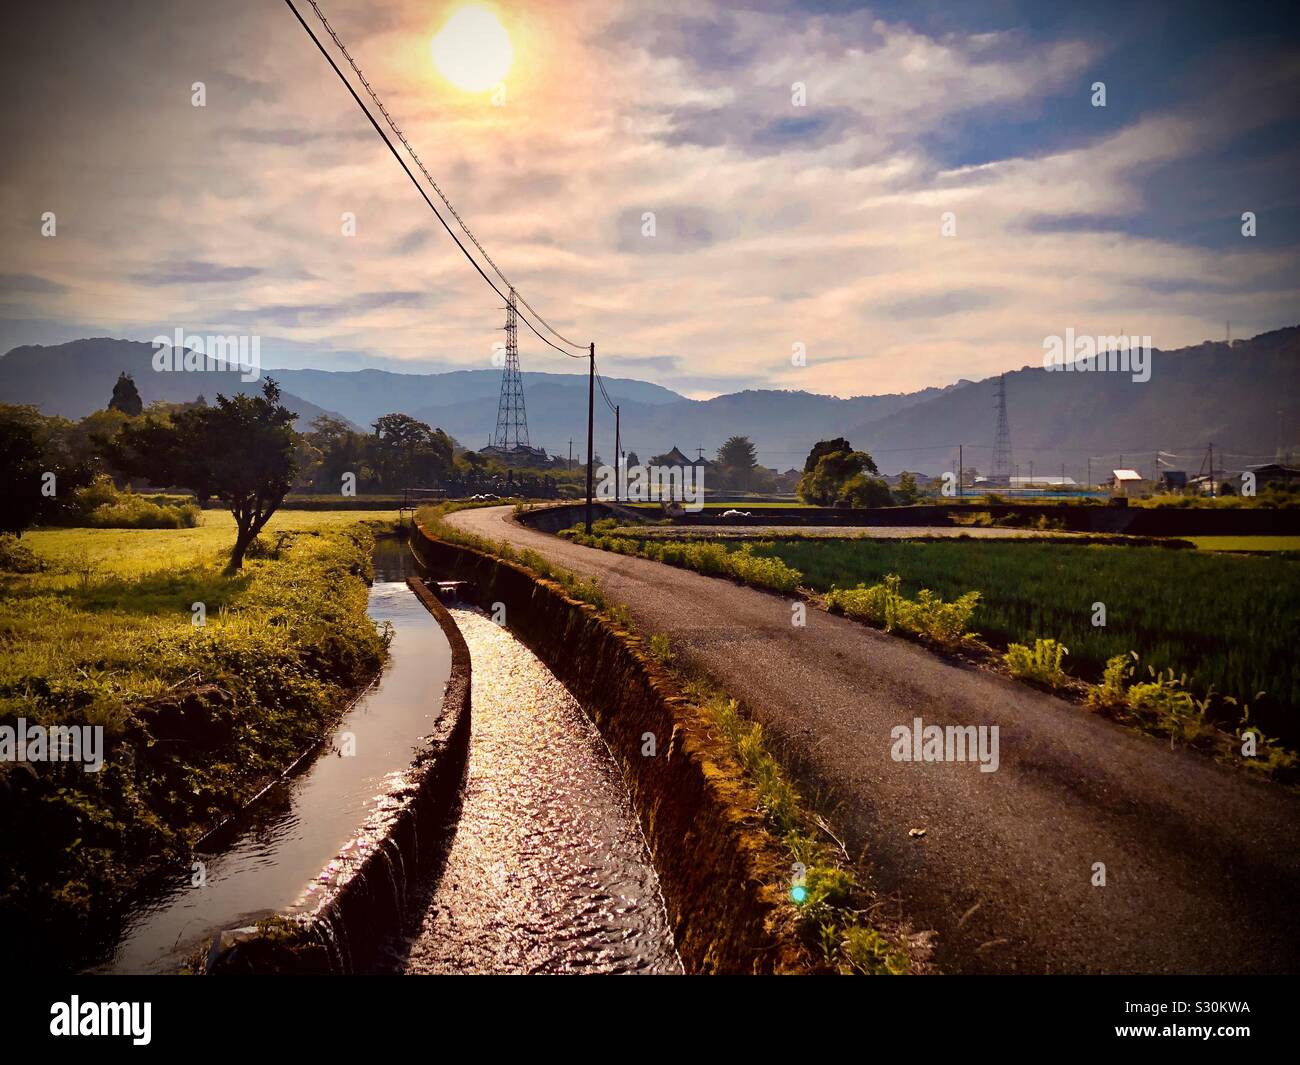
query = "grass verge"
x=1238 y=697
x=195 y=718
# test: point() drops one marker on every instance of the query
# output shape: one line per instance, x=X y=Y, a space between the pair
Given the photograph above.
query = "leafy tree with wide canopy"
x=241 y=452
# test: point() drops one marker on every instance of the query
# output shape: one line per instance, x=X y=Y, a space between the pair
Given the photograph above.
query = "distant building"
x=1172 y=481
x=789 y=480
x=1049 y=481
x=1272 y=473
x=676 y=458
x=1129 y=483
x=519 y=455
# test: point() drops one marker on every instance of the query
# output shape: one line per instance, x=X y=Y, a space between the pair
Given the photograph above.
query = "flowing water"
x=542 y=868
x=547 y=870
x=287 y=837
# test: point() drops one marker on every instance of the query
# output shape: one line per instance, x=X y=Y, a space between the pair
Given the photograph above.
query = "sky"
x=798 y=160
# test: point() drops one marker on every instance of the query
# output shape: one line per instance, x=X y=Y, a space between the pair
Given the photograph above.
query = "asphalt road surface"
x=1202 y=861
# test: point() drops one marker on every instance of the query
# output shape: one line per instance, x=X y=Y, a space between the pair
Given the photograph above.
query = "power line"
x=418 y=162
x=384 y=136
x=601 y=382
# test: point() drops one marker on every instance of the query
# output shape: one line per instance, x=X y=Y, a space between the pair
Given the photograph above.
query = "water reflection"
x=547 y=870
x=290 y=835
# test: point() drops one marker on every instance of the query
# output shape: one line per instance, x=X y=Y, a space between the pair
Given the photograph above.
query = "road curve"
x=1202 y=861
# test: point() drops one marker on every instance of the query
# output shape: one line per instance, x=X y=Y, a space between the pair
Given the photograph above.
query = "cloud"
x=775 y=224
x=193 y=272
x=29 y=283
x=943 y=304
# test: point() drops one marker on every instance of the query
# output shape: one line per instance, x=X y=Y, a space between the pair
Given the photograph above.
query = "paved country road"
x=1202 y=861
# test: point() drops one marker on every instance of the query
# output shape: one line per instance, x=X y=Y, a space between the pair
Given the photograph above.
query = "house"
x=1271 y=473
x=519 y=455
x=676 y=458
x=1129 y=483
x=1172 y=481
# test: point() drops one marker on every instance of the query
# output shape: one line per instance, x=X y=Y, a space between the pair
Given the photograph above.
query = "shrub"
x=868 y=953
x=100 y=505
x=136 y=513
x=1162 y=701
x=1112 y=692
x=709 y=558
x=1042 y=664
x=661 y=648
x=17 y=557
x=945 y=622
x=884 y=604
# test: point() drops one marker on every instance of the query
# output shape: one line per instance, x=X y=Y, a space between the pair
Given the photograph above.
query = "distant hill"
x=364 y=395
x=72 y=380
x=1243 y=399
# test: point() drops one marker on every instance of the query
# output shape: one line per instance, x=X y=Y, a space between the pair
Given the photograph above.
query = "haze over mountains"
x=1242 y=398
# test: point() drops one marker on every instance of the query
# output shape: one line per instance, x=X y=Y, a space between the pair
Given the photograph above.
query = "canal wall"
x=365 y=898
x=721 y=875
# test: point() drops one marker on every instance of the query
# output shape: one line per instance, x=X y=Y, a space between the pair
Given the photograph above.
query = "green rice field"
x=1227 y=621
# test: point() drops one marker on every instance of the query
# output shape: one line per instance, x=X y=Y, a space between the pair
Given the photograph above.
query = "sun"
x=473 y=50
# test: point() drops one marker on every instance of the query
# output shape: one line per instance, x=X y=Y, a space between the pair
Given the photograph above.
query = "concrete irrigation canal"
x=546 y=870
x=509 y=843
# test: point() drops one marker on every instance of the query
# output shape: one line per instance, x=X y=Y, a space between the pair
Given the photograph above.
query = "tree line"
x=241 y=451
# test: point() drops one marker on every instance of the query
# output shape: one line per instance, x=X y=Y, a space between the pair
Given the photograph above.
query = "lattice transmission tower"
x=1001 y=473
x=512 y=421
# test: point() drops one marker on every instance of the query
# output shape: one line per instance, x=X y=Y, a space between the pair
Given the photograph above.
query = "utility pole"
x=570 y=466
x=1088 y=486
x=591 y=423
x=618 y=452
x=961 y=469
x=1214 y=491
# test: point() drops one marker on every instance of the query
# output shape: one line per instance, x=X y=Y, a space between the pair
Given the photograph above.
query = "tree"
x=409 y=451
x=42 y=466
x=738 y=452
x=126 y=397
x=631 y=459
x=830 y=478
x=863 y=491
x=342 y=450
x=826 y=447
x=907 y=490
x=241 y=451
x=20 y=459
x=736 y=461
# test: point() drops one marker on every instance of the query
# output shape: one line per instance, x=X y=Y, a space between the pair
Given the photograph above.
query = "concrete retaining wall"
x=345 y=928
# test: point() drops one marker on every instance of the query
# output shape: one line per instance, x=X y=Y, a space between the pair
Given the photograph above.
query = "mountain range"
x=1241 y=398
